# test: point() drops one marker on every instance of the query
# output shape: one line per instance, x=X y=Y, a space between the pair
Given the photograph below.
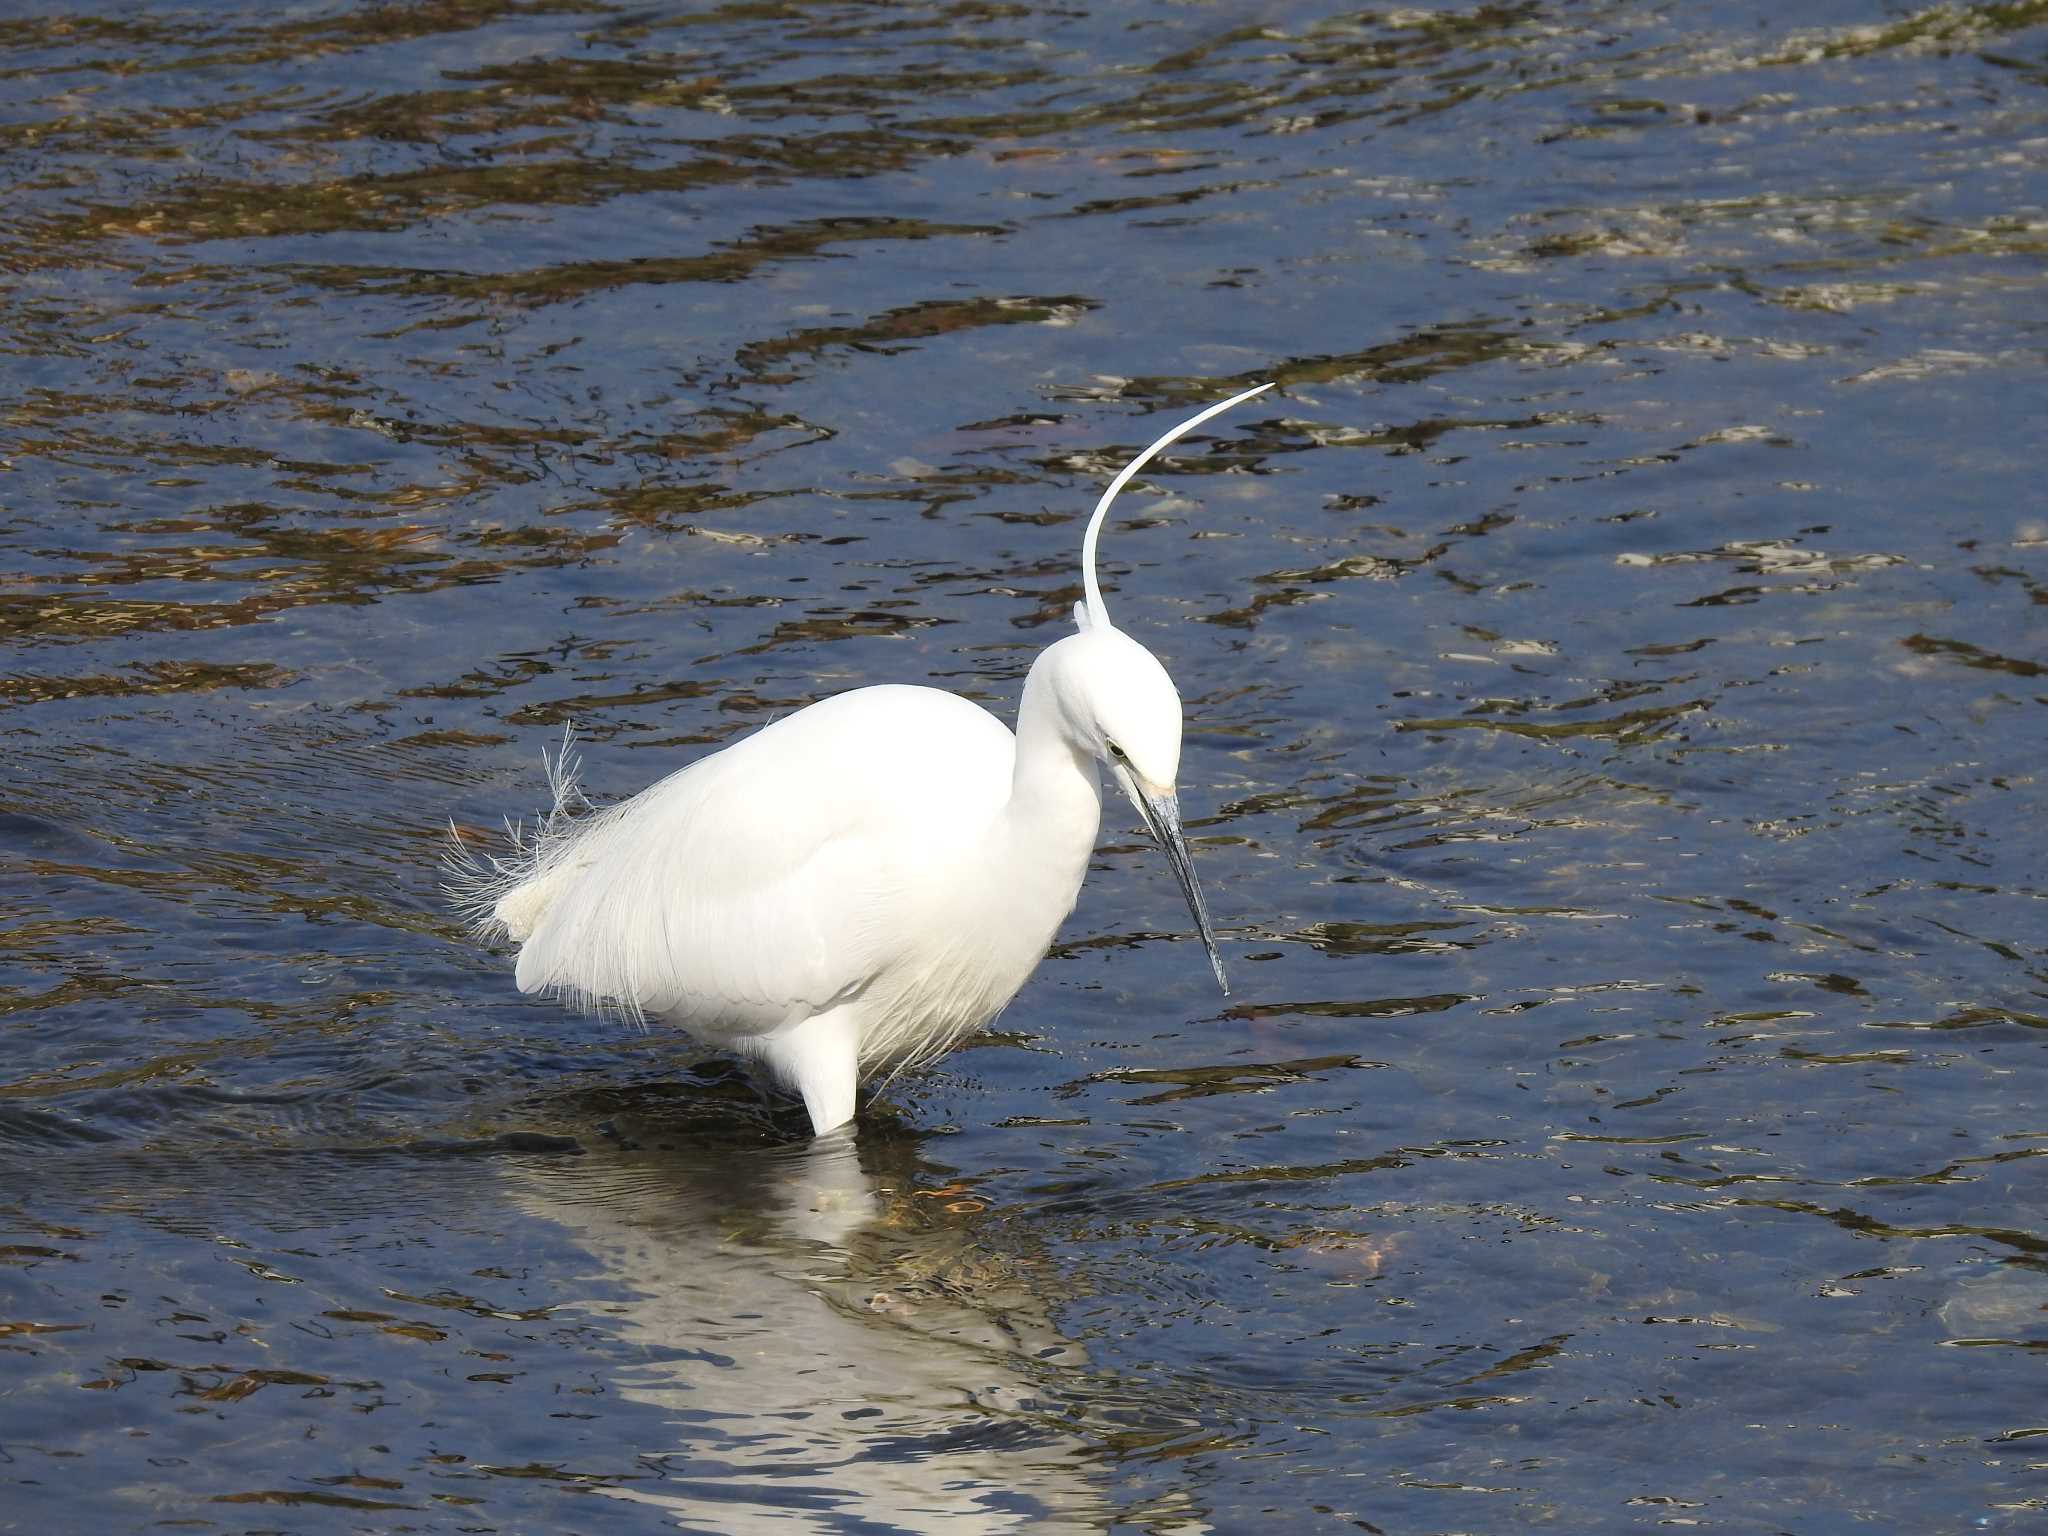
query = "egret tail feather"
x=501 y=896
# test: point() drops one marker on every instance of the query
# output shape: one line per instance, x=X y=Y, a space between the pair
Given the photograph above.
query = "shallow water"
x=1615 y=669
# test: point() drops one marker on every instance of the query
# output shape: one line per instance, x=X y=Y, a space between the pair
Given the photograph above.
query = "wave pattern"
x=1615 y=671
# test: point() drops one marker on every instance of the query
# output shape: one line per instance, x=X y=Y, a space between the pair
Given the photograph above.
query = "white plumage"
x=855 y=887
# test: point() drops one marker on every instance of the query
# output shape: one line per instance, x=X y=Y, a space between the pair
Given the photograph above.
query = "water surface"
x=1614 y=658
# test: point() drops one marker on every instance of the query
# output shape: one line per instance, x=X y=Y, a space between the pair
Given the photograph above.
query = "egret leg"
x=819 y=1057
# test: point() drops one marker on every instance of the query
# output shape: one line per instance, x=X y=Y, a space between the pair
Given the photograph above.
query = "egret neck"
x=1055 y=807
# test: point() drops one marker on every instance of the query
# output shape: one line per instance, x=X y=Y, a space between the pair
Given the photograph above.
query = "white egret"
x=861 y=884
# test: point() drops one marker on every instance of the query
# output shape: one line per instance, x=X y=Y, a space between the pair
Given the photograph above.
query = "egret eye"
x=1116 y=752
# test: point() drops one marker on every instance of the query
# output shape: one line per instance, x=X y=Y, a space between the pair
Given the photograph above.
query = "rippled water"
x=1616 y=659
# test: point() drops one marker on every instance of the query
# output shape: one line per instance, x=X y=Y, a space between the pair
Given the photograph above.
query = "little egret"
x=861 y=884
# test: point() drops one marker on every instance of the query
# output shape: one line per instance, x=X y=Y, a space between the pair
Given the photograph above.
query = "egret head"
x=1118 y=704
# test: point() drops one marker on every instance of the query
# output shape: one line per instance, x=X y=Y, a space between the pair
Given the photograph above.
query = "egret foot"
x=818 y=1057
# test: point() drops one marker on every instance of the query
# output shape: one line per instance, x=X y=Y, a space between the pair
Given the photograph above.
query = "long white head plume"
x=1092 y=611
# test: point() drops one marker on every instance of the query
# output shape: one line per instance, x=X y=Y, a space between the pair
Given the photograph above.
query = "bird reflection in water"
x=834 y=1346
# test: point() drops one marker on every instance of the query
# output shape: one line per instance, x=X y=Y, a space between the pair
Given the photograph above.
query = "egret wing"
x=756 y=886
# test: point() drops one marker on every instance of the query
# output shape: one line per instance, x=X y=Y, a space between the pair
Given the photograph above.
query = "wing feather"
x=757 y=885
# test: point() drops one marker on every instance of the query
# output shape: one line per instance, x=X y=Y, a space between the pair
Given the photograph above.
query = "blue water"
x=1614 y=659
